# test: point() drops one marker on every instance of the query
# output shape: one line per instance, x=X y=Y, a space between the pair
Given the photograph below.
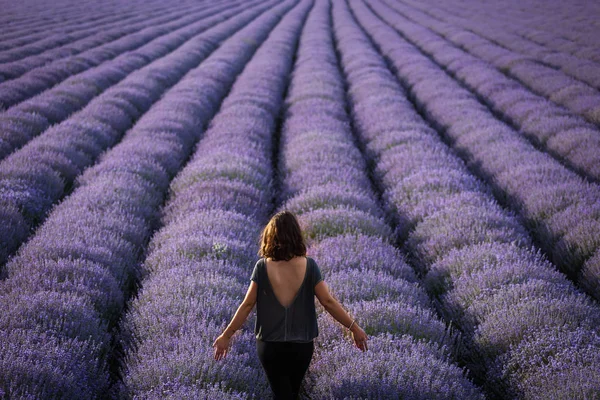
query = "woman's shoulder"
x=311 y=260
x=312 y=264
x=315 y=270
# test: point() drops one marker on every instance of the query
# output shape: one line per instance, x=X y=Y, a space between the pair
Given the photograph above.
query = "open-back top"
x=294 y=323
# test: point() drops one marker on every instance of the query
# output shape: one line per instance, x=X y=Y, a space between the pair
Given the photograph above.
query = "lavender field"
x=443 y=158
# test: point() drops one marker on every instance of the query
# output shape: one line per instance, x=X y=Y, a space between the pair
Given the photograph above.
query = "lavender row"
x=510 y=43
x=39 y=79
x=549 y=39
x=67 y=20
x=564 y=22
x=536 y=66
x=68 y=286
x=29 y=189
x=561 y=210
x=24 y=14
x=31 y=24
x=52 y=46
x=21 y=60
x=579 y=94
x=197 y=265
x=324 y=181
x=567 y=136
x=32 y=31
x=536 y=25
x=507 y=300
x=31 y=117
x=31 y=82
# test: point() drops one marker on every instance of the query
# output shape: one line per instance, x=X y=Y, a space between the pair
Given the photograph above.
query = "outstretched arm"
x=333 y=307
x=221 y=344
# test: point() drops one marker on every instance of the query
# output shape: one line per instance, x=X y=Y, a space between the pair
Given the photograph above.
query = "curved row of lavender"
x=561 y=28
x=22 y=25
x=38 y=175
x=16 y=21
x=530 y=333
x=563 y=133
x=565 y=22
x=44 y=77
x=199 y=263
x=31 y=18
x=323 y=179
x=560 y=38
x=560 y=208
x=18 y=44
x=51 y=47
x=28 y=119
x=67 y=288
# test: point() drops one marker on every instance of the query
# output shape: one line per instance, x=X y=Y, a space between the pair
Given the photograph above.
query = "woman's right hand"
x=360 y=337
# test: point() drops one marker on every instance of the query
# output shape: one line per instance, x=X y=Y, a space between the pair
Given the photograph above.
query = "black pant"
x=285 y=364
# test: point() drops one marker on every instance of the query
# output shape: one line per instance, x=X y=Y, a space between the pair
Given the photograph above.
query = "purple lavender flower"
x=522 y=177
x=65 y=150
x=322 y=223
x=39 y=364
x=208 y=244
x=393 y=366
x=376 y=255
x=487 y=276
x=39 y=79
x=106 y=223
x=558 y=363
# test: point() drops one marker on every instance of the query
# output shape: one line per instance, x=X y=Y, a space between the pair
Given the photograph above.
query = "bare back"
x=286 y=278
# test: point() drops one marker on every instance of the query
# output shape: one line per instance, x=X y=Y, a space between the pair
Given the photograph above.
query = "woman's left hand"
x=221 y=346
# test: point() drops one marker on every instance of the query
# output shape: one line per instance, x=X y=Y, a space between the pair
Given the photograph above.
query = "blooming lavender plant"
x=65 y=150
x=377 y=256
x=557 y=364
x=563 y=52
x=21 y=36
x=490 y=283
x=318 y=153
x=97 y=33
x=175 y=390
x=522 y=177
x=106 y=224
x=102 y=94
x=564 y=134
x=31 y=117
x=207 y=245
x=14 y=91
x=391 y=364
x=71 y=368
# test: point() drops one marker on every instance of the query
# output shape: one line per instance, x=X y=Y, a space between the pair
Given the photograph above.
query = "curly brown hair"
x=281 y=239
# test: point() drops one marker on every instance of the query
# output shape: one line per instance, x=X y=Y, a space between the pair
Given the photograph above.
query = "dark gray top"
x=295 y=323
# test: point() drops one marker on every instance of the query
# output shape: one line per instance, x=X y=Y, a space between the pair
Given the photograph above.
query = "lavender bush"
x=29 y=84
x=93 y=34
x=31 y=117
x=318 y=154
x=100 y=125
x=61 y=22
x=563 y=134
x=564 y=45
x=475 y=256
x=208 y=243
x=549 y=197
x=98 y=234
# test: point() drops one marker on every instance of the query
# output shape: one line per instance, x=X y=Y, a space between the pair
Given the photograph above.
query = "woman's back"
x=286 y=278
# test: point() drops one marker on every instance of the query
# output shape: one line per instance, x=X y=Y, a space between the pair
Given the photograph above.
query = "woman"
x=283 y=285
